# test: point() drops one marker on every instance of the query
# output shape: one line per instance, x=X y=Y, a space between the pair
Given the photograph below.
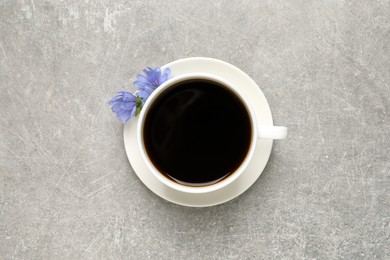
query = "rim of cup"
x=207 y=188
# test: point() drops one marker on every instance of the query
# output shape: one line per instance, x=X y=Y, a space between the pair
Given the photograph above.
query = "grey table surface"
x=67 y=190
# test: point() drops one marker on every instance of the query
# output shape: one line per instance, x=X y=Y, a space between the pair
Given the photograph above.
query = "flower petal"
x=148 y=72
x=127 y=118
x=133 y=111
x=128 y=105
x=114 y=99
x=128 y=97
x=116 y=107
x=141 y=86
x=165 y=75
x=121 y=114
x=149 y=89
x=156 y=76
x=121 y=92
x=142 y=78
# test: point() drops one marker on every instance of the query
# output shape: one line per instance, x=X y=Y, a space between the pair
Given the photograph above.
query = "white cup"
x=258 y=132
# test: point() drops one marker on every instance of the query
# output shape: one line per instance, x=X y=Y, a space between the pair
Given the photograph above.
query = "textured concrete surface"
x=67 y=190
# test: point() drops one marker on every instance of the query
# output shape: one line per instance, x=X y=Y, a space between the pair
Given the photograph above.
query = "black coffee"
x=197 y=132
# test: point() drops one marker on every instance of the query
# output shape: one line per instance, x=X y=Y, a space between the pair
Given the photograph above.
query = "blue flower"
x=125 y=105
x=147 y=83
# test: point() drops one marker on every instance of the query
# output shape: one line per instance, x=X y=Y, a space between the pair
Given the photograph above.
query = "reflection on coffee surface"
x=197 y=132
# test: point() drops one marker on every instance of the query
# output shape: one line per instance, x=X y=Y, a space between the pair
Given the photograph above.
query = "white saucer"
x=260 y=158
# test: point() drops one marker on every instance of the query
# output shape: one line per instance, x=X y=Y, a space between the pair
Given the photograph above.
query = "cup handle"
x=272 y=132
